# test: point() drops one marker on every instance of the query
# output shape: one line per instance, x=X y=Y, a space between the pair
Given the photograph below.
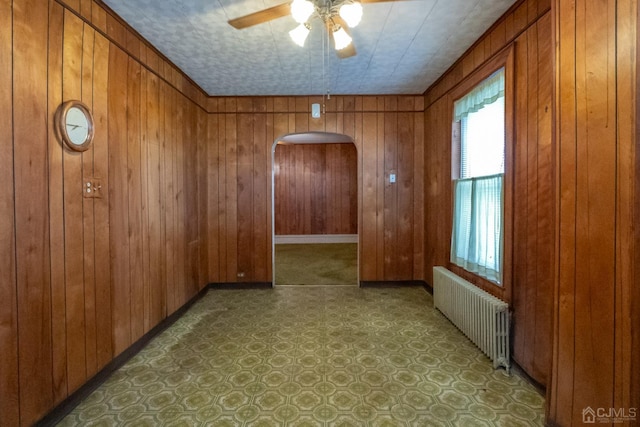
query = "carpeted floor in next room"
x=320 y=356
x=319 y=264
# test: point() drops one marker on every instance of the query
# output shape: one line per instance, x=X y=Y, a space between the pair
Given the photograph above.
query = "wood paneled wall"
x=528 y=28
x=388 y=132
x=596 y=160
x=9 y=382
x=534 y=207
x=186 y=194
x=82 y=279
x=316 y=189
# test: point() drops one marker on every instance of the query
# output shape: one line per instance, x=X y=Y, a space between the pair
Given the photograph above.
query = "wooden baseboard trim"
x=241 y=285
x=66 y=406
x=314 y=238
x=394 y=284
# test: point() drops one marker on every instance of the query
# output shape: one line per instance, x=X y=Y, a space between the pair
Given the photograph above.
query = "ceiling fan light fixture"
x=351 y=13
x=299 y=34
x=301 y=10
x=341 y=39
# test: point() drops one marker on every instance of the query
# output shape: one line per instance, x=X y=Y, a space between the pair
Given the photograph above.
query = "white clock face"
x=77 y=126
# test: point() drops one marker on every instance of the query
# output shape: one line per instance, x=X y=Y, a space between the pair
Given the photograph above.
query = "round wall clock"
x=74 y=124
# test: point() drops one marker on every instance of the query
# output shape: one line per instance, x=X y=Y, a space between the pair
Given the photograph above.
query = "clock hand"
x=73 y=126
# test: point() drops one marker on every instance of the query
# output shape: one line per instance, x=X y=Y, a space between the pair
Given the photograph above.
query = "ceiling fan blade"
x=262 y=16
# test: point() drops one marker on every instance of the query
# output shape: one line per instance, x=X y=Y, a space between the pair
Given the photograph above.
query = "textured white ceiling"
x=403 y=46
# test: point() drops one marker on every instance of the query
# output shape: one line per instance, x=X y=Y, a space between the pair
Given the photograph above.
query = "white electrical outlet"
x=392 y=178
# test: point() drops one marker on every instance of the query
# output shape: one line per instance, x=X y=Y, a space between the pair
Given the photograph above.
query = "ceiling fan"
x=337 y=15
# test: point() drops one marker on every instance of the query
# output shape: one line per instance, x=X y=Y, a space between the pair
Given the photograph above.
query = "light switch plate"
x=392 y=178
x=92 y=188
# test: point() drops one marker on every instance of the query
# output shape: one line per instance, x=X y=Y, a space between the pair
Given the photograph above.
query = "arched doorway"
x=314 y=204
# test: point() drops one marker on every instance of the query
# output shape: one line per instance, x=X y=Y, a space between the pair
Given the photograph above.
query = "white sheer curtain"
x=476 y=238
x=476 y=241
x=487 y=92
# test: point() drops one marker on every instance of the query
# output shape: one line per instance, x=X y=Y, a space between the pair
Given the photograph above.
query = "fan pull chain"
x=324 y=82
x=327 y=92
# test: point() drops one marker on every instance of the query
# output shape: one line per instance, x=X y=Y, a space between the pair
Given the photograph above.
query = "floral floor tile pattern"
x=311 y=357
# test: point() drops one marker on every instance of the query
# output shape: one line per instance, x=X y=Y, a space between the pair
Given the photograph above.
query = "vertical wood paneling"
x=231 y=193
x=390 y=195
x=220 y=206
x=72 y=5
x=168 y=205
x=596 y=170
x=191 y=219
x=98 y=17
x=134 y=199
x=368 y=235
x=30 y=131
x=144 y=197
x=627 y=345
x=418 y=196
x=73 y=212
x=200 y=151
x=88 y=214
x=297 y=188
x=533 y=204
x=104 y=350
x=162 y=134
x=544 y=221
x=181 y=249
x=561 y=392
x=120 y=263
x=381 y=175
x=530 y=201
x=86 y=8
x=213 y=214
x=154 y=196
x=10 y=403
x=305 y=185
x=61 y=271
x=405 y=183
x=324 y=199
x=437 y=181
x=261 y=187
x=632 y=106
x=595 y=132
x=378 y=130
x=180 y=246
x=317 y=192
x=56 y=209
x=68 y=257
x=524 y=224
x=118 y=201
x=245 y=193
x=154 y=192
x=269 y=137
x=180 y=254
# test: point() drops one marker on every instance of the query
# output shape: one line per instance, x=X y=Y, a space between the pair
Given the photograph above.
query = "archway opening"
x=315 y=210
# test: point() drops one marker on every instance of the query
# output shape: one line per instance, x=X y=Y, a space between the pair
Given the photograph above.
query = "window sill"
x=484 y=284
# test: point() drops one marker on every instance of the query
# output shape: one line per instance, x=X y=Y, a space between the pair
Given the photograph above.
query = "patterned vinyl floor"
x=311 y=357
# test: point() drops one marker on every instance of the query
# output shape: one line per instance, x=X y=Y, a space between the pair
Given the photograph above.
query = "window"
x=477 y=238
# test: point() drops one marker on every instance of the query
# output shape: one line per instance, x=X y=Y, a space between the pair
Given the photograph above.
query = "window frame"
x=503 y=59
